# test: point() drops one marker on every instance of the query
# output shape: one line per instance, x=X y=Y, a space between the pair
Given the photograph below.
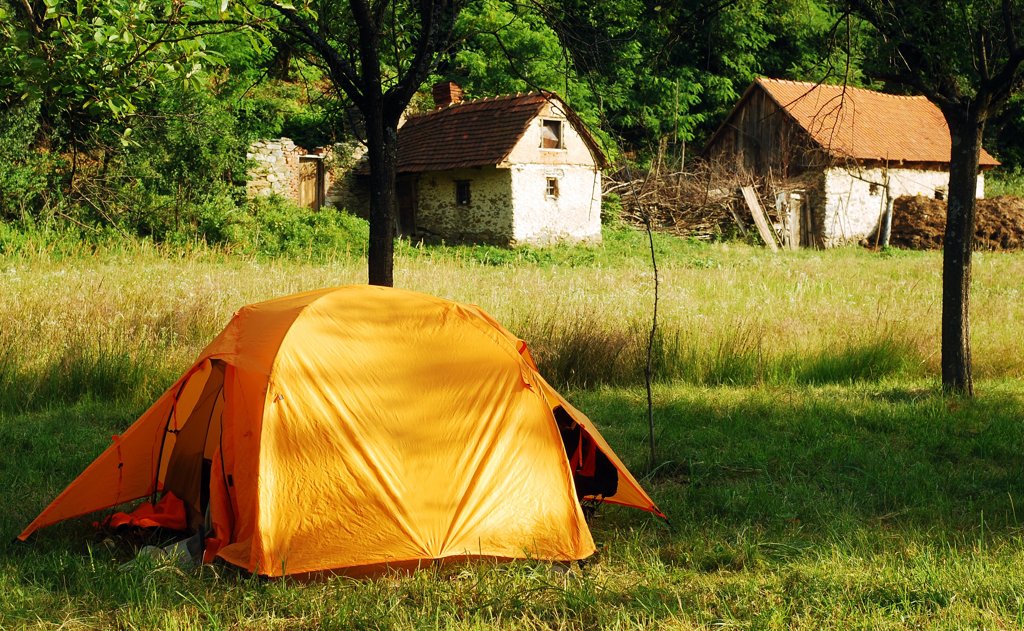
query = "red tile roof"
x=475 y=133
x=866 y=125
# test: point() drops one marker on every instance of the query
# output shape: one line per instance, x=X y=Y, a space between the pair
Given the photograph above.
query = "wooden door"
x=407 y=201
x=797 y=230
x=794 y=210
x=311 y=182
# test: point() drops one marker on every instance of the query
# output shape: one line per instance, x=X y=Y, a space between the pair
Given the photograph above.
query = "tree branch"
x=139 y=53
x=30 y=16
x=438 y=20
x=369 y=57
x=342 y=73
x=1007 y=81
x=1009 y=25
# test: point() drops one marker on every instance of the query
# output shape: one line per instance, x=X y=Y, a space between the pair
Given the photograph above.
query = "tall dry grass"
x=123 y=322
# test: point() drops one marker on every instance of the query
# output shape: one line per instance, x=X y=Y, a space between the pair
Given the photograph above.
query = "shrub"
x=274 y=226
x=1005 y=182
x=611 y=209
x=24 y=172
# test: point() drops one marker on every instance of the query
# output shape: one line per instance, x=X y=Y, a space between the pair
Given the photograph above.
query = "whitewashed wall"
x=486 y=219
x=853 y=207
x=574 y=216
x=529 y=151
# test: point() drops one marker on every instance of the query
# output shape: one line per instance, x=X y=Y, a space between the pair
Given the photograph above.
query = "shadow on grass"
x=878 y=500
x=828 y=461
x=871 y=360
x=81 y=374
x=586 y=351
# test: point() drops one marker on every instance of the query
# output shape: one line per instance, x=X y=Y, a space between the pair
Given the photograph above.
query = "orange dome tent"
x=359 y=428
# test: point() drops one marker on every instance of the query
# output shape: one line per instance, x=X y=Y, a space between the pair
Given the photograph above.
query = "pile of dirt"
x=919 y=223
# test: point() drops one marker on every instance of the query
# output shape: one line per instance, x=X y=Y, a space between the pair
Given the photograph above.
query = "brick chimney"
x=446 y=93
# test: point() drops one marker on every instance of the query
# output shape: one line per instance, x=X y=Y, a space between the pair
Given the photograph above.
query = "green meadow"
x=814 y=474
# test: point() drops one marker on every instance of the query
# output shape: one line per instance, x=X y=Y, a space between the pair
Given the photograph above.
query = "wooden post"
x=887 y=220
x=796 y=208
x=750 y=196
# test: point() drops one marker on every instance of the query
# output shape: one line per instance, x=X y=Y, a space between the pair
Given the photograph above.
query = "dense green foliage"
x=671 y=71
x=23 y=171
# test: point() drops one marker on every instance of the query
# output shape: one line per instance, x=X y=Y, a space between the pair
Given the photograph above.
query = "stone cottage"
x=280 y=167
x=506 y=170
x=836 y=156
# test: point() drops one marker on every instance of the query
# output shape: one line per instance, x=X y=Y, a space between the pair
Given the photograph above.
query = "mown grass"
x=866 y=505
x=814 y=475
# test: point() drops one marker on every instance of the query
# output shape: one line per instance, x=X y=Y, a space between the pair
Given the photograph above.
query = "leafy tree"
x=968 y=59
x=505 y=48
x=377 y=55
x=83 y=69
x=812 y=41
x=187 y=148
x=86 y=62
x=675 y=68
x=1004 y=134
x=618 y=47
x=23 y=171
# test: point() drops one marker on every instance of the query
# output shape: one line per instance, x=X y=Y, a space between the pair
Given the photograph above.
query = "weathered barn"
x=506 y=170
x=834 y=156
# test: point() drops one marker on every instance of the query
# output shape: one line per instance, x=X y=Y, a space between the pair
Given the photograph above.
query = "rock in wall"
x=276 y=168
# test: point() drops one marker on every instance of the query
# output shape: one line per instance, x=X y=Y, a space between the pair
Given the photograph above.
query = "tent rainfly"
x=362 y=428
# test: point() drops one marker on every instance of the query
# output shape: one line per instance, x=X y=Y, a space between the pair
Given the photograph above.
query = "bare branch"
x=437 y=19
x=342 y=73
x=1010 y=26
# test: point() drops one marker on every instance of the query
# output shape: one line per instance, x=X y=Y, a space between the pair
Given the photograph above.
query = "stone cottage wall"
x=486 y=219
x=346 y=190
x=276 y=168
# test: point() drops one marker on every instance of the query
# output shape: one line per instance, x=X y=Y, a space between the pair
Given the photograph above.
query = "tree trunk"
x=966 y=132
x=382 y=146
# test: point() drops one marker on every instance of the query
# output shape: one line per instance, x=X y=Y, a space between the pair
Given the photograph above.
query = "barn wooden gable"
x=784 y=128
x=759 y=137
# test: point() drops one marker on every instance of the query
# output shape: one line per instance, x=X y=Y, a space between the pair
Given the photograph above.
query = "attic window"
x=551 y=134
x=551 y=190
x=940 y=193
x=462 y=192
x=873 y=189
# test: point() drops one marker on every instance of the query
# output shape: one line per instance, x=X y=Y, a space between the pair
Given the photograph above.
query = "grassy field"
x=813 y=474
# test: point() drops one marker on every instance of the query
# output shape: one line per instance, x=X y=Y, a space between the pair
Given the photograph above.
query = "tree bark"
x=382 y=151
x=966 y=129
x=381 y=109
